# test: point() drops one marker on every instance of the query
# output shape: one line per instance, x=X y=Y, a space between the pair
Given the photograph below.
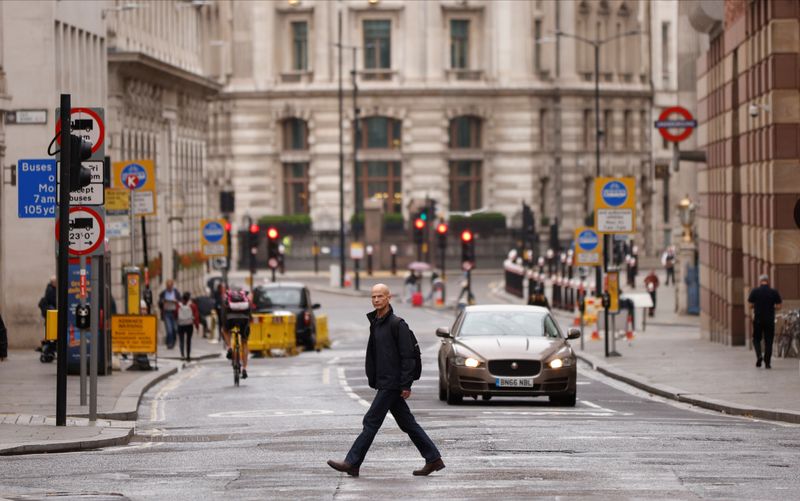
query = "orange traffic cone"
x=629 y=328
x=576 y=322
x=595 y=333
x=347 y=282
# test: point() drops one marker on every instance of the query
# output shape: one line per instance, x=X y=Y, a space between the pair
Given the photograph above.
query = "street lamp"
x=686 y=213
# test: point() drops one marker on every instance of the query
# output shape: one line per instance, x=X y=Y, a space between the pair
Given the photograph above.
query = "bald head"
x=380 y=298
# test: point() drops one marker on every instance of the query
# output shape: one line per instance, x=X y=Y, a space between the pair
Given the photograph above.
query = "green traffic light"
x=423 y=215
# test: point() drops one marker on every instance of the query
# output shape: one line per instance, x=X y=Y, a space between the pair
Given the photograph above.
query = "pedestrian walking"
x=668 y=260
x=392 y=366
x=764 y=300
x=3 y=340
x=652 y=283
x=168 y=305
x=188 y=320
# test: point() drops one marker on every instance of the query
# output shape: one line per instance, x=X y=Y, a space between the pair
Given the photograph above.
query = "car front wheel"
x=453 y=398
x=442 y=390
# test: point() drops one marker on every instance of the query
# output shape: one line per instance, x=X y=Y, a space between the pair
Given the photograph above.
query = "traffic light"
x=424 y=214
x=441 y=235
x=419 y=230
x=467 y=248
x=79 y=176
x=254 y=238
x=273 y=253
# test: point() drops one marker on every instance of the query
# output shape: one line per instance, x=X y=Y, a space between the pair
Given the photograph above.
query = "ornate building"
x=471 y=103
x=748 y=93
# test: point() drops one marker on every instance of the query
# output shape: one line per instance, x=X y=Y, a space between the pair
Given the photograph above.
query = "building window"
x=295 y=134
x=459 y=44
x=465 y=185
x=381 y=180
x=295 y=188
x=299 y=46
x=377 y=45
x=379 y=133
x=465 y=132
x=608 y=131
x=537 y=47
x=588 y=129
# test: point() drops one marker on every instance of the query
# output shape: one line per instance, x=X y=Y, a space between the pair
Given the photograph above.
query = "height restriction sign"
x=615 y=204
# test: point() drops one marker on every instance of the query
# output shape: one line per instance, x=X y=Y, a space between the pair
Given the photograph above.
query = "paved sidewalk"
x=28 y=402
x=672 y=360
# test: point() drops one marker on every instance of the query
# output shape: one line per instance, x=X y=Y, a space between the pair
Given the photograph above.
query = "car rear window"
x=273 y=298
x=500 y=323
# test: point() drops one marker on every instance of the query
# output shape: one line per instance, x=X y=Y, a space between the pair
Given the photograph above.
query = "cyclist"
x=237 y=311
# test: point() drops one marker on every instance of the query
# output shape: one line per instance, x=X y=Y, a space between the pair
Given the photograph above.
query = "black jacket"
x=390 y=355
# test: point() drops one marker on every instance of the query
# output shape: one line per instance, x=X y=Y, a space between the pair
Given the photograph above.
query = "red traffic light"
x=254 y=228
x=227 y=226
x=441 y=228
x=272 y=233
x=466 y=236
x=419 y=224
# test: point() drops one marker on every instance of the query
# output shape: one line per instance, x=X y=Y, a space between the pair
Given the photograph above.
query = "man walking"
x=390 y=367
x=168 y=305
x=764 y=300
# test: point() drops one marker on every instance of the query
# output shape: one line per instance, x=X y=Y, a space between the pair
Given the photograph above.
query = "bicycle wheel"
x=237 y=367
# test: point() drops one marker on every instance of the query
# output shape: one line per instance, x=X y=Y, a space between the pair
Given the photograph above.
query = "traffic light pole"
x=356 y=138
x=63 y=262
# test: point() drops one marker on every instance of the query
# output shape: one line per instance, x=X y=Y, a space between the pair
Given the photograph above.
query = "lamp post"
x=686 y=213
x=596 y=44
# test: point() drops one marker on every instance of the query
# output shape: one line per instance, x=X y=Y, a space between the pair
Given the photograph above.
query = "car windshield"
x=279 y=297
x=506 y=323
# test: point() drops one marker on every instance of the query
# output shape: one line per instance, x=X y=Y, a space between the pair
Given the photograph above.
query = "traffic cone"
x=629 y=328
x=347 y=282
x=595 y=333
x=576 y=322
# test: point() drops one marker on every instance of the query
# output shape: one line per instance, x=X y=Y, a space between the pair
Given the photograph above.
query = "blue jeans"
x=171 y=325
x=391 y=401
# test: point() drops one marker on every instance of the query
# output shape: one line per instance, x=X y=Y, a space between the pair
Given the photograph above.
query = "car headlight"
x=558 y=363
x=468 y=362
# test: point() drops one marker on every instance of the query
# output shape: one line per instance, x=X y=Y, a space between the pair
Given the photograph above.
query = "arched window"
x=380 y=175
x=466 y=170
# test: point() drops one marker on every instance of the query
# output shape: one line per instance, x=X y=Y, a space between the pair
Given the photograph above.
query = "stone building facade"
x=471 y=103
x=749 y=107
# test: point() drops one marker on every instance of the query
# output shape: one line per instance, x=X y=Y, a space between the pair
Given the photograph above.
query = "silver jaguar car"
x=508 y=351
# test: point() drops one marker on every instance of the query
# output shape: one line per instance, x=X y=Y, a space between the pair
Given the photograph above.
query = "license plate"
x=514 y=382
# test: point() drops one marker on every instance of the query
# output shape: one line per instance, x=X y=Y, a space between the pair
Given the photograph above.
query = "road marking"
x=157 y=412
x=334 y=361
x=257 y=413
x=326 y=375
x=590 y=404
x=348 y=390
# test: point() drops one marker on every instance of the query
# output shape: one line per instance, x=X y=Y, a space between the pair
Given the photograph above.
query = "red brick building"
x=748 y=94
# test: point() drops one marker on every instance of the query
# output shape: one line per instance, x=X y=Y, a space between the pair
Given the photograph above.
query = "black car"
x=293 y=297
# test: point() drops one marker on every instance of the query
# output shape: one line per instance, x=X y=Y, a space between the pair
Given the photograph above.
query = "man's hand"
x=405 y=393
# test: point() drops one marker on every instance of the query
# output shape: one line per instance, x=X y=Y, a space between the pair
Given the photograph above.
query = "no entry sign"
x=665 y=123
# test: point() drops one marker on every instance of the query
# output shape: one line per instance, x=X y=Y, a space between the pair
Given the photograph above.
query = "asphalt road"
x=198 y=437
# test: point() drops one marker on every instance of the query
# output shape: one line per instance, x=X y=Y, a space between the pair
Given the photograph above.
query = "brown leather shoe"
x=430 y=468
x=345 y=467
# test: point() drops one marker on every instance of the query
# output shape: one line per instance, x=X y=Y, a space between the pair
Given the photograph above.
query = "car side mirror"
x=315 y=306
x=573 y=333
x=443 y=332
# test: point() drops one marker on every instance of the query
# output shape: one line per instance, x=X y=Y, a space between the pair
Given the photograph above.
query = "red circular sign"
x=666 y=134
x=92 y=227
x=100 y=126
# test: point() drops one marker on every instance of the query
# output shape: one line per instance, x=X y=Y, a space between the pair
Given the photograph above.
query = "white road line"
x=348 y=390
x=334 y=361
x=590 y=404
x=157 y=412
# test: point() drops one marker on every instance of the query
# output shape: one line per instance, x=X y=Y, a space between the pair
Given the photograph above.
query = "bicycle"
x=236 y=356
x=788 y=342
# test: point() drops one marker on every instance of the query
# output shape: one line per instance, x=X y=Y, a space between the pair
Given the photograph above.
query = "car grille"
x=524 y=367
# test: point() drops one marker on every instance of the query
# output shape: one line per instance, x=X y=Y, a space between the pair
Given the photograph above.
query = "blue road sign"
x=213 y=232
x=133 y=176
x=588 y=240
x=36 y=188
x=614 y=193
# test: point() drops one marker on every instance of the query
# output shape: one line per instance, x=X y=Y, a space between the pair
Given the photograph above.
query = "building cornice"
x=143 y=66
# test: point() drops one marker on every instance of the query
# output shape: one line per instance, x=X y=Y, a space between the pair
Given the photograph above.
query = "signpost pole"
x=63 y=263
x=82 y=332
x=94 y=344
x=132 y=226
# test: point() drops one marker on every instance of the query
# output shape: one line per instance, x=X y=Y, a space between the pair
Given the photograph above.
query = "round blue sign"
x=213 y=232
x=588 y=240
x=133 y=176
x=614 y=193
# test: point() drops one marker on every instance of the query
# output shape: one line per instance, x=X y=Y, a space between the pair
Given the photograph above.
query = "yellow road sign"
x=213 y=238
x=117 y=201
x=588 y=247
x=615 y=204
x=612 y=281
x=139 y=177
x=133 y=333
